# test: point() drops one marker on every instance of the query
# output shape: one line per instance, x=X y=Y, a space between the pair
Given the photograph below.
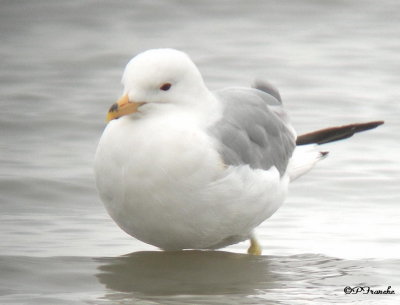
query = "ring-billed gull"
x=181 y=167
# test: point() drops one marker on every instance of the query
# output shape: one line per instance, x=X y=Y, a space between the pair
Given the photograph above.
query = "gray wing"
x=254 y=129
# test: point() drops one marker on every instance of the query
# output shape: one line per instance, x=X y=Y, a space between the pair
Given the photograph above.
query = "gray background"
x=335 y=62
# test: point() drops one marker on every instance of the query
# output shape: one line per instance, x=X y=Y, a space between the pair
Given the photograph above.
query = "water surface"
x=335 y=62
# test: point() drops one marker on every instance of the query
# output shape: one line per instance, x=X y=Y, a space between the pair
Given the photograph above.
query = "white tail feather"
x=303 y=160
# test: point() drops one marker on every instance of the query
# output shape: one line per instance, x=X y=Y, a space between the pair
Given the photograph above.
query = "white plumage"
x=165 y=172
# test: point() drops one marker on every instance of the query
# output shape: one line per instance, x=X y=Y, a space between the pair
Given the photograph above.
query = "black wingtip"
x=332 y=134
x=366 y=126
x=376 y=123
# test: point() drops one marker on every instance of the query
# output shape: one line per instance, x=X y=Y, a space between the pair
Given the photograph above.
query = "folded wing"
x=254 y=129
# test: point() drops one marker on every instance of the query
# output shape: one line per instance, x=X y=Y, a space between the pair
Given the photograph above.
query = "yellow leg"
x=255 y=247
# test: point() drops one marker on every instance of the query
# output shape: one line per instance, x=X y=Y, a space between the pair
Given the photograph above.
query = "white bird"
x=181 y=167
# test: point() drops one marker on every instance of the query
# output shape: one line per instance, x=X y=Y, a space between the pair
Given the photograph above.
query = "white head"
x=159 y=76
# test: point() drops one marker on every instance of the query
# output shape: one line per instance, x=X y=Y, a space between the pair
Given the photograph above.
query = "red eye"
x=165 y=87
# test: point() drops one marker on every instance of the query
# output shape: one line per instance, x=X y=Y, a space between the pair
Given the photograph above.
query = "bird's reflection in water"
x=214 y=277
x=186 y=272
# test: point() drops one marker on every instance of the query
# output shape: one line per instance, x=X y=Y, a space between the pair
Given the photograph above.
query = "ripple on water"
x=192 y=277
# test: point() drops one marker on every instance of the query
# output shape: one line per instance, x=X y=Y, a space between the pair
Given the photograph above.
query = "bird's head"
x=158 y=76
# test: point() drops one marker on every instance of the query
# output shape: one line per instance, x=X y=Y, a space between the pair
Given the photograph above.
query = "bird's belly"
x=172 y=190
x=149 y=178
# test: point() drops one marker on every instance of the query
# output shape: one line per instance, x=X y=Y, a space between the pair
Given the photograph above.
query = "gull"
x=181 y=167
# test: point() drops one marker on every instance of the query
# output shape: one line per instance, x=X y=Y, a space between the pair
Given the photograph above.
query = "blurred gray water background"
x=335 y=62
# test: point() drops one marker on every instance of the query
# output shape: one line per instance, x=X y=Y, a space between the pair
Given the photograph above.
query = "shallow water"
x=191 y=277
x=335 y=62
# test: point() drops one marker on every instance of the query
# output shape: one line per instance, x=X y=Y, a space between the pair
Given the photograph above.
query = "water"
x=335 y=62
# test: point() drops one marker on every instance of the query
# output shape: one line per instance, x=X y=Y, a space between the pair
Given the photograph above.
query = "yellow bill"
x=122 y=107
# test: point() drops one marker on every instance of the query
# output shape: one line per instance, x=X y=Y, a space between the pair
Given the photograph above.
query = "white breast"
x=163 y=182
x=145 y=166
